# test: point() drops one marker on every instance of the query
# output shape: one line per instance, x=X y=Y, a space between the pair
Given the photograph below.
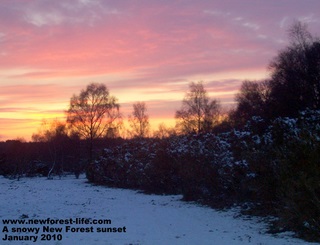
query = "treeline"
x=264 y=155
x=55 y=157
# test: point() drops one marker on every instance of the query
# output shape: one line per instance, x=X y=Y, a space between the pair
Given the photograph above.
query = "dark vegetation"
x=264 y=157
x=49 y=158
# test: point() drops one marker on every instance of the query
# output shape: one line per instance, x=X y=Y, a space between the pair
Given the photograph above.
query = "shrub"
x=274 y=166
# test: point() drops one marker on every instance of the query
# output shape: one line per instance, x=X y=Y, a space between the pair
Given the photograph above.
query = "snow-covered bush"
x=284 y=169
x=252 y=145
x=139 y=164
x=298 y=160
x=273 y=165
x=198 y=166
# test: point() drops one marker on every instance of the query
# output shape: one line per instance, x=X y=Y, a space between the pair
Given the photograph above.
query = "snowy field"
x=132 y=217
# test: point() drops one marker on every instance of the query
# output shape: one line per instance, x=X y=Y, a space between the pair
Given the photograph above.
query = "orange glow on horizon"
x=26 y=128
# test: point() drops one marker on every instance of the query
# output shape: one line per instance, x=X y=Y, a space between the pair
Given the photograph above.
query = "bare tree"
x=56 y=137
x=198 y=113
x=300 y=36
x=139 y=120
x=163 y=131
x=93 y=113
x=49 y=131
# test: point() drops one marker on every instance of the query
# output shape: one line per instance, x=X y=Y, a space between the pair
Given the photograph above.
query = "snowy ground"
x=148 y=219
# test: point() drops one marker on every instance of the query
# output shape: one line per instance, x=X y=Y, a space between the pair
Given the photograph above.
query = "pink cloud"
x=47 y=93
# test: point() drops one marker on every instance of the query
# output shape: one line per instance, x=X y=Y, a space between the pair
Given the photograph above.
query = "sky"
x=142 y=50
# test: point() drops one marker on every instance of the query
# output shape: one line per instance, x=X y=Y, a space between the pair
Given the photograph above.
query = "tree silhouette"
x=294 y=84
x=295 y=80
x=198 y=113
x=139 y=120
x=251 y=101
x=56 y=137
x=92 y=113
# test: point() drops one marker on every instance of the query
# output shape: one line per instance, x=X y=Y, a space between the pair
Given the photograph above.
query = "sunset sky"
x=143 y=50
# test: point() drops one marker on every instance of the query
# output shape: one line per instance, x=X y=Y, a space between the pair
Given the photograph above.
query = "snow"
x=148 y=219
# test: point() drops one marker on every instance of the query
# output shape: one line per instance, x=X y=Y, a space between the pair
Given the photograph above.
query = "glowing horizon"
x=141 y=50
